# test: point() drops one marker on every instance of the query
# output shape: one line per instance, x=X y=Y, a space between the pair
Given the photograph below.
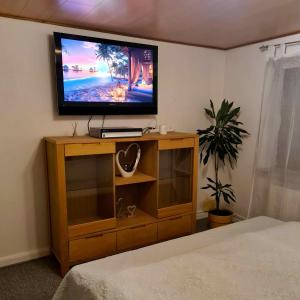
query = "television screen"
x=99 y=76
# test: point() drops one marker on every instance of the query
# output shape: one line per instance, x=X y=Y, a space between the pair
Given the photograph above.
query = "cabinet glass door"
x=175 y=177
x=89 y=182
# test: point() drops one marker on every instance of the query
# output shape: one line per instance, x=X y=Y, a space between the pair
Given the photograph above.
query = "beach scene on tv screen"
x=99 y=72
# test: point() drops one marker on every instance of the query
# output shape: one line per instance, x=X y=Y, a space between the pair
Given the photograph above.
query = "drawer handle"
x=175 y=218
x=138 y=226
x=94 y=236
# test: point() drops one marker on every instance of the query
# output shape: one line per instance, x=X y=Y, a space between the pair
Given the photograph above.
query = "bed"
x=257 y=258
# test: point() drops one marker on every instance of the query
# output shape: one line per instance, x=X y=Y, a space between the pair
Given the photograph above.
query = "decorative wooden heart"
x=131 y=210
x=128 y=169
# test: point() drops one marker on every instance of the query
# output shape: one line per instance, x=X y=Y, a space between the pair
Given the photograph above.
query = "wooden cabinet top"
x=90 y=140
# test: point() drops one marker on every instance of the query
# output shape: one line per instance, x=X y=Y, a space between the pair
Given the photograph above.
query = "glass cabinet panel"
x=175 y=177
x=89 y=183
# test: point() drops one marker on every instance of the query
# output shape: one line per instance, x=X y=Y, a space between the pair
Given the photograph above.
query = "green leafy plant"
x=221 y=142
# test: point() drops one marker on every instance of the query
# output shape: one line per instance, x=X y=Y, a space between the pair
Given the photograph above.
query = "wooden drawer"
x=174 y=227
x=89 y=149
x=136 y=236
x=176 y=143
x=92 y=247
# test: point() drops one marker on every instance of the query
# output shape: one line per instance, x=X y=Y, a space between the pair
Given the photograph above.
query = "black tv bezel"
x=92 y=108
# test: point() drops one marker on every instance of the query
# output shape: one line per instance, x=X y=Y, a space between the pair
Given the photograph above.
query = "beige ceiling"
x=220 y=24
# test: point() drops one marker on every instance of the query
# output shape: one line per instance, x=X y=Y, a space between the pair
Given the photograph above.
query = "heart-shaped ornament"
x=126 y=168
x=131 y=210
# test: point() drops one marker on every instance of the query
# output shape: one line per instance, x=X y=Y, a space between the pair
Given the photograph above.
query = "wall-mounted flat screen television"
x=104 y=77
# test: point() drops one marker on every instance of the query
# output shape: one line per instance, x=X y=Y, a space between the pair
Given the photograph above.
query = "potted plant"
x=221 y=142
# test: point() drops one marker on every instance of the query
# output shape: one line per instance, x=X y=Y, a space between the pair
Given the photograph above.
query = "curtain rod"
x=266 y=47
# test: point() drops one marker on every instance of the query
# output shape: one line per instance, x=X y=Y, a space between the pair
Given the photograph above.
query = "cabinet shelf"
x=138 y=177
x=82 y=226
x=140 y=218
x=78 y=221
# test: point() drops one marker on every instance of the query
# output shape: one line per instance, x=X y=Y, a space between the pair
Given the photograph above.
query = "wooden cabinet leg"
x=194 y=224
x=64 y=268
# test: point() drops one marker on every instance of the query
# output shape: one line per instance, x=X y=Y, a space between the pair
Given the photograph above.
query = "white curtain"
x=276 y=189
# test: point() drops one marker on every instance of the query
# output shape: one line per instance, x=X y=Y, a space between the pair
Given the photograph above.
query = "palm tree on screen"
x=105 y=52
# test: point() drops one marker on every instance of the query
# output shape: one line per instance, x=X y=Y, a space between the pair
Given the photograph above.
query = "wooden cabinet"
x=85 y=187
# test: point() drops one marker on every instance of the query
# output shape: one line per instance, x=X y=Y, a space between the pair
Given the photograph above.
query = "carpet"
x=33 y=280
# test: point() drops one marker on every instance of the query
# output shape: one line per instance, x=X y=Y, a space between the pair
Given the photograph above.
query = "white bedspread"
x=257 y=265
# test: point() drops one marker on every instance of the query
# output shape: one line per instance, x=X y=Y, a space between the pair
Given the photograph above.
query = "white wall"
x=188 y=77
x=243 y=84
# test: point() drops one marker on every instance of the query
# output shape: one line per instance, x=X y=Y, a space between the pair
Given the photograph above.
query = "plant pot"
x=217 y=218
